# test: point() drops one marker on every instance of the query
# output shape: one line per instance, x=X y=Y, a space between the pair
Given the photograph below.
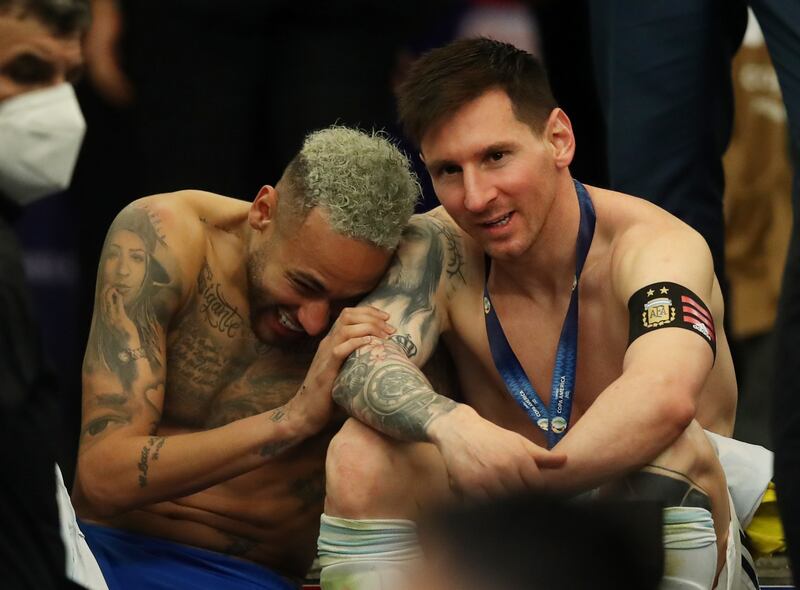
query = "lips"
x=499 y=221
x=286 y=320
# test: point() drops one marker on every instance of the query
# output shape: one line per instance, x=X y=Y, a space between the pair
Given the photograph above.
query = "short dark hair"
x=445 y=79
x=62 y=17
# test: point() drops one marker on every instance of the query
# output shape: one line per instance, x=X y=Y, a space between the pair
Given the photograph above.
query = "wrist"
x=442 y=427
x=292 y=421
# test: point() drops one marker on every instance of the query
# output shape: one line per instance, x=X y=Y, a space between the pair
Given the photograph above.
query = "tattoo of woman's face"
x=125 y=264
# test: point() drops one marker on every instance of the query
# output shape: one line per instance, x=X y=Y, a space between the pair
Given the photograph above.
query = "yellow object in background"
x=765 y=530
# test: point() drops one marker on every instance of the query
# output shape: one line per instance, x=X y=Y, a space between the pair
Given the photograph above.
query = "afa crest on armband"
x=658 y=311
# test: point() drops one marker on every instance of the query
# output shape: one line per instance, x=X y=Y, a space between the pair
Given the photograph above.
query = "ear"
x=264 y=207
x=558 y=134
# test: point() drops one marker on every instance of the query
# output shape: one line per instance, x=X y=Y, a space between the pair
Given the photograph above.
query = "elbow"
x=678 y=411
x=102 y=491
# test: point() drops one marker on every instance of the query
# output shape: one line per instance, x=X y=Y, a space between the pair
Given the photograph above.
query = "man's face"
x=302 y=274
x=33 y=58
x=492 y=174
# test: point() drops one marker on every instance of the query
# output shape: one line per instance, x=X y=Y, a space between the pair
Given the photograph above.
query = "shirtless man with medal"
x=536 y=283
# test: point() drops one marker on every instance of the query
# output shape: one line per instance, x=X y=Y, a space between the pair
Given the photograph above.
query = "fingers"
x=548 y=459
x=108 y=301
x=378 y=330
x=364 y=315
x=348 y=347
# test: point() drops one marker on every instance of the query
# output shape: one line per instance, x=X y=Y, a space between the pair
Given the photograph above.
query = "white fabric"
x=690 y=552
x=748 y=469
x=375 y=554
x=733 y=575
x=40 y=137
x=690 y=549
x=81 y=566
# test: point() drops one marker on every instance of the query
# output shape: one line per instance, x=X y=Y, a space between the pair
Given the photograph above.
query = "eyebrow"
x=308 y=281
x=500 y=146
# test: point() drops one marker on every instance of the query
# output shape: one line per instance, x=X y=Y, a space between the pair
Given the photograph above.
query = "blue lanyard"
x=555 y=419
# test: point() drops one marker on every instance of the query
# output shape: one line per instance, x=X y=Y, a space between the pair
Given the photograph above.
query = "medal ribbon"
x=555 y=419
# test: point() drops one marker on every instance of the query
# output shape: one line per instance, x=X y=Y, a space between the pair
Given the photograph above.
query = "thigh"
x=688 y=473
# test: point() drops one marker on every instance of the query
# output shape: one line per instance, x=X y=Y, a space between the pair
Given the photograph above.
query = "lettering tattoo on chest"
x=219 y=314
x=150 y=450
x=195 y=361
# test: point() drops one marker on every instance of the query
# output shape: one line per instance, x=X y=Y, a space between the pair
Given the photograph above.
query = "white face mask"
x=40 y=136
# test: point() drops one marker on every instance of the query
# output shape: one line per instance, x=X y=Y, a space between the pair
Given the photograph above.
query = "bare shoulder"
x=172 y=232
x=648 y=245
x=458 y=251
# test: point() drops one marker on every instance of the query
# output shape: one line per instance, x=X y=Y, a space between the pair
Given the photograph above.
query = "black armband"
x=669 y=305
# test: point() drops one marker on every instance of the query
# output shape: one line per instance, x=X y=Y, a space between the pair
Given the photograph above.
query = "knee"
x=361 y=473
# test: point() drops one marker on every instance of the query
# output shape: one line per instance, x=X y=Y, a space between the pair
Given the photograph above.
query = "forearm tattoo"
x=381 y=387
x=379 y=384
x=150 y=450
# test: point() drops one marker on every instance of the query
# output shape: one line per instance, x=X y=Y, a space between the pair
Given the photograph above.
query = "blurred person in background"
x=664 y=75
x=41 y=128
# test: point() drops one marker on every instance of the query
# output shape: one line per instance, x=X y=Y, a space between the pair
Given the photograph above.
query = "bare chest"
x=217 y=371
x=533 y=334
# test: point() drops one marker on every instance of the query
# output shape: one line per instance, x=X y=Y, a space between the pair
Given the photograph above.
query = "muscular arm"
x=382 y=384
x=121 y=463
x=647 y=408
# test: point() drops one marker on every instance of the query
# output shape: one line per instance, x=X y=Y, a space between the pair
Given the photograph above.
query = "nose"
x=314 y=316
x=478 y=192
x=123 y=268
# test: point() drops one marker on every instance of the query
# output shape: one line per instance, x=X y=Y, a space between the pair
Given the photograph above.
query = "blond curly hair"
x=362 y=181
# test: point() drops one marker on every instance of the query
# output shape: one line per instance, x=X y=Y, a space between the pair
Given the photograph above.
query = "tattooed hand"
x=355 y=327
x=113 y=309
x=485 y=460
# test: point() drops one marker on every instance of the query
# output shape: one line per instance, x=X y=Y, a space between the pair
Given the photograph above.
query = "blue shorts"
x=130 y=560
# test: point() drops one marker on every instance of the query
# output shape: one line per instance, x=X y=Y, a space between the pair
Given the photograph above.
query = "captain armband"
x=669 y=305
